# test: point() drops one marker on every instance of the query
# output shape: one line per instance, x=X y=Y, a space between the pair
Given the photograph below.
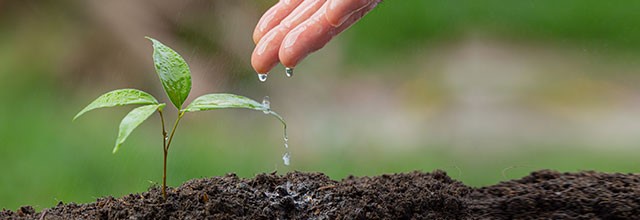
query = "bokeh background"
x=485 y=90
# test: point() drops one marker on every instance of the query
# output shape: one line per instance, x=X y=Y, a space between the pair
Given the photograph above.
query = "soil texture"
x=541 y=195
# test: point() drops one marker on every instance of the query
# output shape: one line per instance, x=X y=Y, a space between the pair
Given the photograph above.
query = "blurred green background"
x=485 y=90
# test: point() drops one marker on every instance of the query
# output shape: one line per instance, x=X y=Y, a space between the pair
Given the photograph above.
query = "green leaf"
x=222 y=100
x=118 y=98
x=132 y=120
x=173 y=71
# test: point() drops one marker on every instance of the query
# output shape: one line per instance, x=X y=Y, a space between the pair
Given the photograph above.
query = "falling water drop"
x=267 y=105
x=286 y=158
x=287 y=155
x=286 y=141
x=289 y=72
x=262 y=77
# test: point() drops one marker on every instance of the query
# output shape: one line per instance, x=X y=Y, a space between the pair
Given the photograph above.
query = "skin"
x=292 y=29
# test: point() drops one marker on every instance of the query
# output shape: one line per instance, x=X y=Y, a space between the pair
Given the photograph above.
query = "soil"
x=541 y=195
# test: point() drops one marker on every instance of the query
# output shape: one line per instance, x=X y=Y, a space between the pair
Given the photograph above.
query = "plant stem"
x=164 y=131
x=173 y=131
x=166 y=144
x=164 y=150
x=164 y=175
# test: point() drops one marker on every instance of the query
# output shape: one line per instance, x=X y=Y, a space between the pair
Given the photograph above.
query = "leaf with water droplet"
x=173 y=71
x=224 y=100
x=266 y=104
x=132 y=121
x=118 y=98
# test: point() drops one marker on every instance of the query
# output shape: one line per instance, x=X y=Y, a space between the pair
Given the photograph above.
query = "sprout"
x=175 y=77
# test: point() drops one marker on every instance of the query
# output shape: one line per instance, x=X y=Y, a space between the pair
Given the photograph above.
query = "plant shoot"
x=175 y=77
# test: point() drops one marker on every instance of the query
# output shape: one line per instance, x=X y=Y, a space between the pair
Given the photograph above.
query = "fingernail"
x=343 y=19
x=340 y=21
x=262 y=77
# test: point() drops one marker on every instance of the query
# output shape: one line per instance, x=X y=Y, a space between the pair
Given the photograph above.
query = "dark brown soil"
x=541 y=195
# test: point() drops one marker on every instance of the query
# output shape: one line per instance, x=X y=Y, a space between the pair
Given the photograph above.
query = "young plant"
x=175 y=76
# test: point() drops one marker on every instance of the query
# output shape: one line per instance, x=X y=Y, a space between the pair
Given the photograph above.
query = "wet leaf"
x=223 y=100
x=132 y=121
x=118 y=98
x=173 y=71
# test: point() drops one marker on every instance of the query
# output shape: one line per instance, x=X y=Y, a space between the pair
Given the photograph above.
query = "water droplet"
x=262 y=77
x=286 y=158
x=289 y=72
x=266 y=104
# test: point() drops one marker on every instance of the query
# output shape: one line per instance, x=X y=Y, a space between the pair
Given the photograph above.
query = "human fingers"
x=265 y=55
x=273 y=17
x=303 y=12
x=338 y=11
x=313 y=34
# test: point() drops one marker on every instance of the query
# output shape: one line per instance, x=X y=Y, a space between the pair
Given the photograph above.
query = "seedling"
x=175 y=76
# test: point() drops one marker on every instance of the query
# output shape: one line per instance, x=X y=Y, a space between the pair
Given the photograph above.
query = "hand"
x=292 y=29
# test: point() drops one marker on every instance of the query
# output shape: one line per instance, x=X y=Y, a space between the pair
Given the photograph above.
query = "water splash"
x=289 y=72
x=262 y=77
x=286 y=158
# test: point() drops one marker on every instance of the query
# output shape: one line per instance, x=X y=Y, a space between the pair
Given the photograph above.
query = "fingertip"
x=290 y=61
x=256 y=37
x=265 y=54
x=261 y=64
x=290 y=57
x=291 y=51
x=262 y=67
x=305 y=38
x=316 y=32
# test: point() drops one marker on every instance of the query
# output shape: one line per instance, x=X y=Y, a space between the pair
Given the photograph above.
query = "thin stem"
x=164 y=131
x=173 y=131
x=164 y=175
x=164 y=150
x=167 y=143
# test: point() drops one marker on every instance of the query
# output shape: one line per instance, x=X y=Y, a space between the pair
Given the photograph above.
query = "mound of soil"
x=541 y=195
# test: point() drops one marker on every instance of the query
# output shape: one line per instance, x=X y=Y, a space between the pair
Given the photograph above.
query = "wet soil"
x=541 y=195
